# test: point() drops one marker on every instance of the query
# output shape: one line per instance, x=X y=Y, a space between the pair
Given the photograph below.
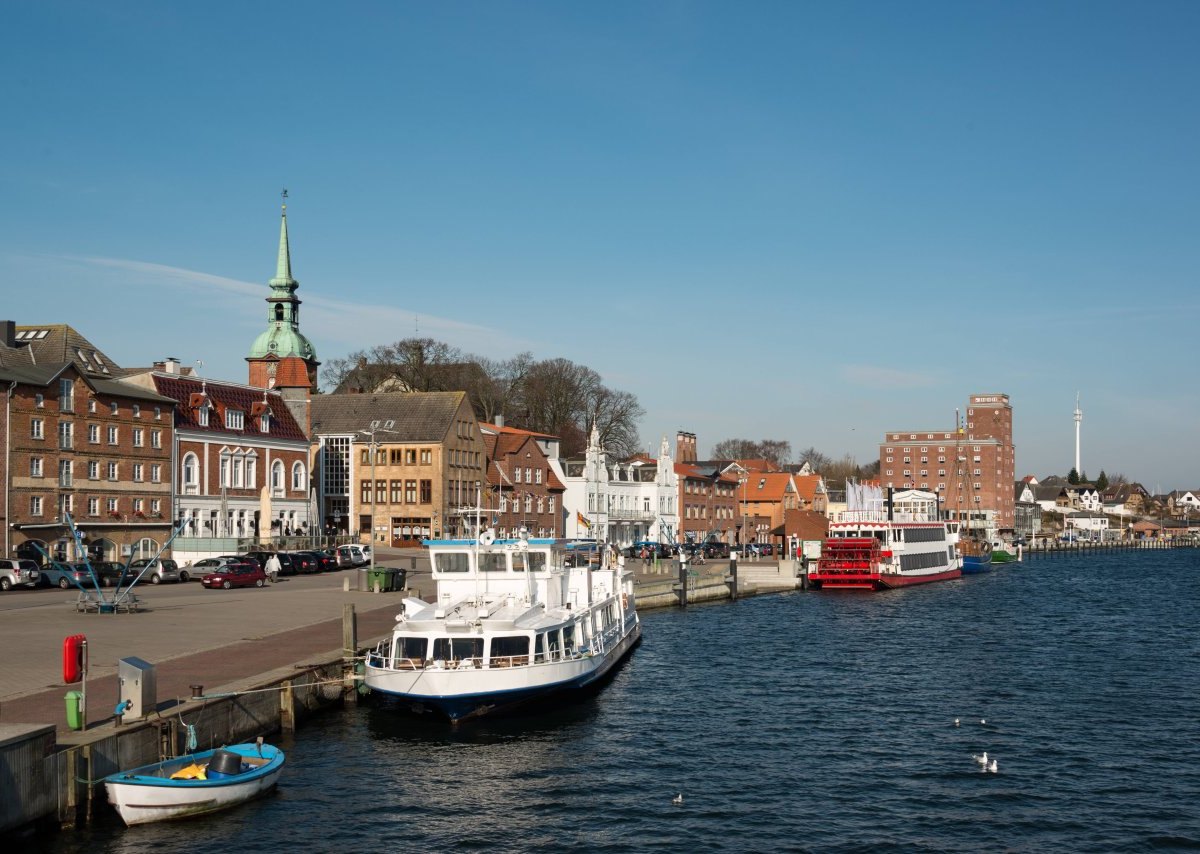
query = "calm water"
x=808 y=721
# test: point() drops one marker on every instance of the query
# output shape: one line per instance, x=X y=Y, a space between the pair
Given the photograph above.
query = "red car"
x=236 y=575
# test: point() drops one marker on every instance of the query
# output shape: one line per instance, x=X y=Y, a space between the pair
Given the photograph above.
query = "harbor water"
x=795 y=722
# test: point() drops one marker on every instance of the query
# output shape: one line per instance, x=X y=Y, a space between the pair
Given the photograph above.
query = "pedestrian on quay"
x=273 y=567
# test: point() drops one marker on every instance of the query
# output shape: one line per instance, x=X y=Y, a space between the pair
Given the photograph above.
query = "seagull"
x=983 y=721
x=982 y=760
x=956 y=721
x=993 y=766
x=678 y=799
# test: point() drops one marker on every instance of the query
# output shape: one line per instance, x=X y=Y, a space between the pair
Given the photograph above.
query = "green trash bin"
x=381 y=576
x=74 y=709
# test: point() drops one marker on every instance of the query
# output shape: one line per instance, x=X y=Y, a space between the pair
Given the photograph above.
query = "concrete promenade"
x=191 y=634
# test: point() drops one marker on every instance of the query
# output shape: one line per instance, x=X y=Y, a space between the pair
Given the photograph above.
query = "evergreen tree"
x=1102 y=481
x=1073 y=476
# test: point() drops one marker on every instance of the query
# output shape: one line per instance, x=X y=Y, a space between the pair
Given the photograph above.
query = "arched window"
x=279 y=311
x=277 y=478
x=145 y=547
x=299 y=482
x=191 y=474
x=251 y=470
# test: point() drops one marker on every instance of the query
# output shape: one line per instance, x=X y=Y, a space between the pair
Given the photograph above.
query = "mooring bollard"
x=349 y=651
x=682 y=584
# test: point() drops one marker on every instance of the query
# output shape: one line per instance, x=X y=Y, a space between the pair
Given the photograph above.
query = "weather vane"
x=283 y=195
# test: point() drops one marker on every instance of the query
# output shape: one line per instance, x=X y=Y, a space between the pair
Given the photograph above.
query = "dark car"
x=716 y=550
x=325 y=562
x=110 y=572
x=303 y=563
x=287 y=566
x=236 y=575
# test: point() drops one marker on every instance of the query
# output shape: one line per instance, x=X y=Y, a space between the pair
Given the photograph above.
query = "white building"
x=620 y=502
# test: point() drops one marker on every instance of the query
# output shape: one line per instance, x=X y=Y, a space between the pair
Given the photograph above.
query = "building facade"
x=971 y=467
x=241 y=469
x=398 y=468
x=80 y=445
x=524 y=491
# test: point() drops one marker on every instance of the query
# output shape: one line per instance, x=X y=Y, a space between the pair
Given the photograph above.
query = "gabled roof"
x=58 y=343
x=805 y=524
x=413 y=416
x=808 y=486
x=191 y=393
x=766 y=486
x=508 y=446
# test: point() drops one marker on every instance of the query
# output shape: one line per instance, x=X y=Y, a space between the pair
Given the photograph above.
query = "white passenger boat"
x=514 y=621
x=887 y=542
x=195 y=784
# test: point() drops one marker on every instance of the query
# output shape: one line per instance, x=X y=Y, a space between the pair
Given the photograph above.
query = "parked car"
x=716 y=550
x=302 y=562
x=19 y=573
x=201 y=568
x=236 y=575
x=325 y=562
x=163 y=569
x=353 y=555
x=110 y=572
x=64 y=575
x=288 y=565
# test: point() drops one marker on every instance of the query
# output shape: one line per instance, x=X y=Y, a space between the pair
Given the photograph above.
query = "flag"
x=582 y=520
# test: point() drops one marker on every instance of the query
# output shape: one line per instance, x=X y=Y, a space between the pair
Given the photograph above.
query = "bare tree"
x=735 y=449
x=816 y=460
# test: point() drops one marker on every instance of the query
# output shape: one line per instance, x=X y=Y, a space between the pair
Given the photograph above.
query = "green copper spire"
x=282 y=337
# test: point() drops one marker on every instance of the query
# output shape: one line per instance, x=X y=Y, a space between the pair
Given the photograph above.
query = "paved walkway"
x=191 y=634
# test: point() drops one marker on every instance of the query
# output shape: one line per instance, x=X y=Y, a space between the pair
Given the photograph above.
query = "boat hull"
x=877 y=580
x=147 y=794
x=975 y=564
x=475 y=692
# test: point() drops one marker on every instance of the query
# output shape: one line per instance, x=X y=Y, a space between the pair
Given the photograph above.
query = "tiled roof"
x=805 y=524
x=414 y=416
x=806 y=486
x=58 y=343
x=487 y=426
x=765 y=486
x=509 y=445
x=247 y=399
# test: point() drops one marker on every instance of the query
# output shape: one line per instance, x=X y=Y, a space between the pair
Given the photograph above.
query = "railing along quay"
x=1057 y=549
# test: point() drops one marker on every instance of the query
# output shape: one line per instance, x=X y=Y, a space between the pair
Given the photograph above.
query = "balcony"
x=631 y=516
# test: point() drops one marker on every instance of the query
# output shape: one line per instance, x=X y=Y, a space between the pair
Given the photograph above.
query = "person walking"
x=273 y=568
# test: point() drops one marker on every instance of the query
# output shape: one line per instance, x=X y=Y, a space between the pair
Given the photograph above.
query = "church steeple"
x=282 y=339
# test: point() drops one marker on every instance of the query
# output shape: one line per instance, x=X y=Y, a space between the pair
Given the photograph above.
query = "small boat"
x=889 y=542
x=195 y=784
x=976 y=556
x=515 y=622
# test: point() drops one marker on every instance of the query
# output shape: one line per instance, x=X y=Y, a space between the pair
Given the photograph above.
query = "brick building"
x=80 y=443
x=708 y=507
x=242 y=474
x=971 y=467
x=525 y=492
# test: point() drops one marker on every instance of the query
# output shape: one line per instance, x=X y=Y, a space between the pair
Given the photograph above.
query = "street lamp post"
x=374 y=446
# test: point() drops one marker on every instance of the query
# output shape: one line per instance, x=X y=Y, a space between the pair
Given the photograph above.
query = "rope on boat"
x=227 y=694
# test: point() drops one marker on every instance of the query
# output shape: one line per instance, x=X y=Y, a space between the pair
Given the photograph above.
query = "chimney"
x=499 y=419
x=171 y=365
x=8 y=333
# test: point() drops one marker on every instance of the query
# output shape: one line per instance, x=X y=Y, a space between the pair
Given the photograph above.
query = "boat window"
x=509 y=650
x=568 y=634
x=553 y=645
x=456 y=649
x=492 y=562
x=452 y=562
x=536 y=561
x=518 y=561
x=539 y=648
x=413 y=648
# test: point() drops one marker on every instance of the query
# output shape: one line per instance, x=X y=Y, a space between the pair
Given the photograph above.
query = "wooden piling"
x=349 y=653
x=287 y=708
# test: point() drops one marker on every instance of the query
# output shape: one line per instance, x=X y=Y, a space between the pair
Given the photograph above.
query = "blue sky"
x=733 y=210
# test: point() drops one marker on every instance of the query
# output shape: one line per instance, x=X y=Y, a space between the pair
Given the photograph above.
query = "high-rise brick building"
x=971 y=466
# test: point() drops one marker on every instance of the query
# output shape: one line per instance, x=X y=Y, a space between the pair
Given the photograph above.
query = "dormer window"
x=264 y=423
x=235 y=419
x=202 y=416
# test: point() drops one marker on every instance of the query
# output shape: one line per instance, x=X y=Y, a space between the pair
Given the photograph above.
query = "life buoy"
x=487 y=538
x=73 y=658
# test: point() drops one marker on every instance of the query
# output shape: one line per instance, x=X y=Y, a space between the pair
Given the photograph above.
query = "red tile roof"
x=187 y=391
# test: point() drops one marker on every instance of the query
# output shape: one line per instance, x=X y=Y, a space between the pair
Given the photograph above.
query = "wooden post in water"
x=349 y=651
x=682 y=583
x=733 y=579
x=287 y=708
